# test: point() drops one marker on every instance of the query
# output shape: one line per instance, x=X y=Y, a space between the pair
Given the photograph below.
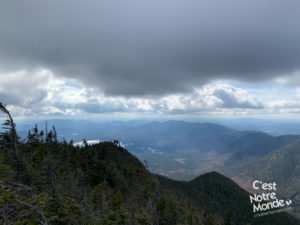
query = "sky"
x=136 y=58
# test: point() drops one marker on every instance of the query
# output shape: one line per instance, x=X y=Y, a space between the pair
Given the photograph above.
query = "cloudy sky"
x=203 y=58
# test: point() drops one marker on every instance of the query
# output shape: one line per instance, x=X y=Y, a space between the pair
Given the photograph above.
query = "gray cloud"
x=231 y=100
x=135 y=48
x=207 y=99
x=23 y=89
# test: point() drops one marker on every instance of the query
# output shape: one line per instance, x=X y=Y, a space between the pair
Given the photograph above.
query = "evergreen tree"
x=9 y=135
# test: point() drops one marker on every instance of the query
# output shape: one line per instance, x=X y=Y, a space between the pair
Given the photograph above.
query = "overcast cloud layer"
x=137 y=48
x=160 y=57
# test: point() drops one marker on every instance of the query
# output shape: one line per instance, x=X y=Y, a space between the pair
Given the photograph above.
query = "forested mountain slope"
x=52 y=182
x=281 y=166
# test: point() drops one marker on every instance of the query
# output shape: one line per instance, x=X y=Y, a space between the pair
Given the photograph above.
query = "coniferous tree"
x=9 y=135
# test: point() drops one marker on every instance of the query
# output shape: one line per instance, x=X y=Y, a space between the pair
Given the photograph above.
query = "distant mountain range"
x=95 y=129
x=184 y=150
x=173 y=136
x=164 y=136
x=259 y=144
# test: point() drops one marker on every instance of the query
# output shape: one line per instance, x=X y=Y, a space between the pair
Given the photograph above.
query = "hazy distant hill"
x=174 y=135
x=254 y=143
x=79 y=129
x=281 y=166
x=83 y=128
x=270 y=126
x=177 y=135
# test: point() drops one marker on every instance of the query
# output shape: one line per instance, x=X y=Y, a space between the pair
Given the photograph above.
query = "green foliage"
x=42 y=199
x=143 y=219
x=169 y=209
x=116 y=201
x=6 y=195
x=116 y=217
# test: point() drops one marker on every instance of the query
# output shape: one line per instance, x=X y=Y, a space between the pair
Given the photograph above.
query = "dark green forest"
x=44 y=180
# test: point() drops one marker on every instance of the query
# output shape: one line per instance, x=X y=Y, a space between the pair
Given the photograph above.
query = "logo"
x=266 y=202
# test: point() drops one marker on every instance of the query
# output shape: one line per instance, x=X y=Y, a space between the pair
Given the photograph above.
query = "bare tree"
x=12 y=128
x=146 y=163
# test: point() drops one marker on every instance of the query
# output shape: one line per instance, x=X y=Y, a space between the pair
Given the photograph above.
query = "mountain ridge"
x=281 y=165
x=105 y=184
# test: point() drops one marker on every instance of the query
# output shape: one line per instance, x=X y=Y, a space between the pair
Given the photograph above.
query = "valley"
x=183 y=150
